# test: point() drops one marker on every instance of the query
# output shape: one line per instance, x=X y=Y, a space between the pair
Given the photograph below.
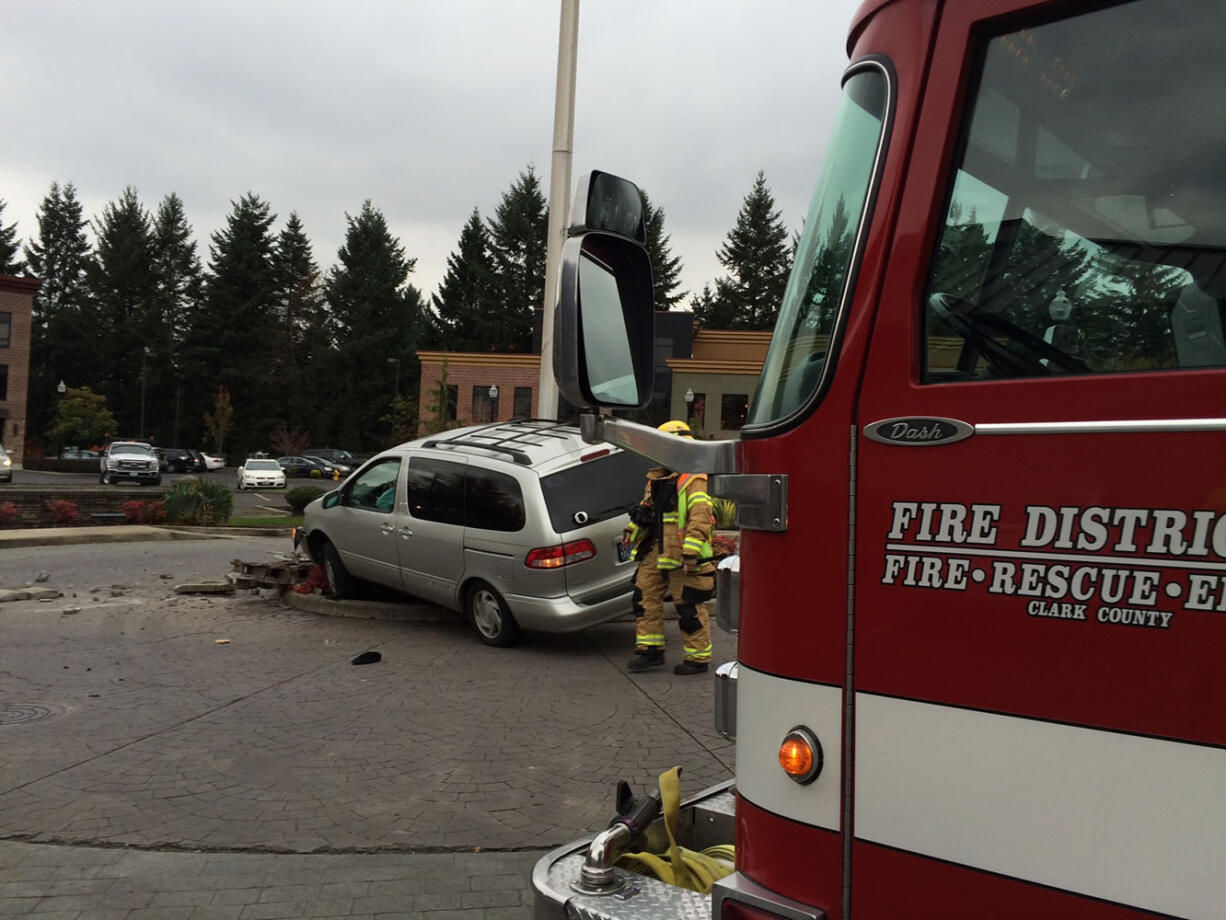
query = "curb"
x=408 y=612
x=127 y=533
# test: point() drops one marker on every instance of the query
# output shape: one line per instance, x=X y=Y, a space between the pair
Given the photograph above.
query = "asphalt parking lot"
x=222 y=731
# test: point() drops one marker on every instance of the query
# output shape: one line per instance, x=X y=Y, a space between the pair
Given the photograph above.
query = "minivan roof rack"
x=507 y=437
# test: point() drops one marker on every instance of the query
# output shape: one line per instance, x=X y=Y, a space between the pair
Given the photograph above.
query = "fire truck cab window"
x=1085 y=231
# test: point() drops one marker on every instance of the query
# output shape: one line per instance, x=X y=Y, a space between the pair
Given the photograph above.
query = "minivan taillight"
x=554 y=557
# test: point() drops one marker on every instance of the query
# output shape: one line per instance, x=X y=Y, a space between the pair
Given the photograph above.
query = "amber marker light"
x=800 y=755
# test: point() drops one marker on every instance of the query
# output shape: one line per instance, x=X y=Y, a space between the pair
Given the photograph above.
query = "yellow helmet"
x=678 y=427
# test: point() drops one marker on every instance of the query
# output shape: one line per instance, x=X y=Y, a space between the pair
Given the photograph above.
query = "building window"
x=6 y=329
x=697 y=410
x=733 y=408
x=453 y=401
x=485 y=407
x=523 y=402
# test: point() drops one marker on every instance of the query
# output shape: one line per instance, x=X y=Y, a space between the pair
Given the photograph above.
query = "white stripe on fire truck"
x=1127 y=818
x=1154 y=562
x=767 y=708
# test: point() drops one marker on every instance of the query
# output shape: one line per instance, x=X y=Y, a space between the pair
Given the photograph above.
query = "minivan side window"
x=374 y=489
x=493 y=501
x=1084 y=228
x=436 y=490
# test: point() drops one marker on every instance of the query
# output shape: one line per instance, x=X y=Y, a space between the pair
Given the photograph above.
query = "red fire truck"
x=982 y=487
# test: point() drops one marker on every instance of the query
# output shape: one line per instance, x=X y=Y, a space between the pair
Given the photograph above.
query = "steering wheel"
x=1022 y=354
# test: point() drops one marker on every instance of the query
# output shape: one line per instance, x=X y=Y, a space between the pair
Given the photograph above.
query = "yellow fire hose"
x=676 y=865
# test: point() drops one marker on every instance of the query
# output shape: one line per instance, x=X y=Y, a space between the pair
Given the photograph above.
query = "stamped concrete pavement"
x=231 y=738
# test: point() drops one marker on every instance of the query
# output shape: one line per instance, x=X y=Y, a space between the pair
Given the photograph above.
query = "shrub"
x=155 y=512
x=134 y=511
x=63 y=511
x=725 y=513
x=724 y=545
x=199 y=502
x=301 y=496
x=8 y=514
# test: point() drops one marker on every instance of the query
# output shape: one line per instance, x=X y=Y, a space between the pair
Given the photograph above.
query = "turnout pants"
x=689 y=591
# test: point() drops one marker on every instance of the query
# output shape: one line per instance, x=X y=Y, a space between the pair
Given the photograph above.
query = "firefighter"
x=670 y=531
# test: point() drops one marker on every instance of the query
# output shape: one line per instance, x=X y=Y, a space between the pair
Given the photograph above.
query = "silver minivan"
x=518 y=524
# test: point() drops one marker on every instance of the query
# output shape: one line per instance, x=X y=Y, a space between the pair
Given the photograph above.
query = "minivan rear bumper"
x=564 y=614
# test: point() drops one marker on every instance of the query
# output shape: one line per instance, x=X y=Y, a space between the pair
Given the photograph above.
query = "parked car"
x=260 y=473
x=341 y=459
x=307 y=466
x=198 y=462
x=77 y=453
x=518 y=524
x=212 y=462
x=174 y=459
x=129 y=461
x=6 y=466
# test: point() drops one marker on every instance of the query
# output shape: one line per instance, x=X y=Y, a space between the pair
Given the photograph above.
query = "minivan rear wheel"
x=494 y=622
x=340 y=583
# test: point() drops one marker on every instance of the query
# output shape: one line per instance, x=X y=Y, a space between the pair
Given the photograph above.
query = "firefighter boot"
x=646 y=660
x=690 y=667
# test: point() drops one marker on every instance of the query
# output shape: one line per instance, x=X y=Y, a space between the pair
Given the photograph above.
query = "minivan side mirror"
x=332 y=499
x=604 y=324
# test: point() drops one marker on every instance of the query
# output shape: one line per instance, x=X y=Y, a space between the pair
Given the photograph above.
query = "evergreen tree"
x=665 y=267
x=122 y=283
x=378 y=316
x=303 y=326
x=177 y=289
x=62 y=345
x=467 y=314
x=229 y=338
x=518 y=235
x=9 y=247
x=710 y=311
x=757 y=256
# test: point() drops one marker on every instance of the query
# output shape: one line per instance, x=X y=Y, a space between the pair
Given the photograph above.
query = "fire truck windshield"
x=813 y=303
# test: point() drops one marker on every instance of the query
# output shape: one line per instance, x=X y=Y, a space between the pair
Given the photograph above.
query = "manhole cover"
x=27 y=712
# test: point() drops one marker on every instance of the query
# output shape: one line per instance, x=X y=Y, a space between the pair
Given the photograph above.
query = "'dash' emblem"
x=920 y=431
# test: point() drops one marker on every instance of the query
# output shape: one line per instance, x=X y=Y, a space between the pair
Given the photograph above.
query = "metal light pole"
x=493 y=394
x=559 y=197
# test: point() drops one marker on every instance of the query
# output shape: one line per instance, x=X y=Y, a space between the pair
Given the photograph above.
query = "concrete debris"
x=205 y=587
x=42 y=576
x=29 y=594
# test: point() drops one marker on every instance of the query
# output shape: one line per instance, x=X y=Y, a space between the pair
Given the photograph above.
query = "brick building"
x=16 y=308
x=719 y=369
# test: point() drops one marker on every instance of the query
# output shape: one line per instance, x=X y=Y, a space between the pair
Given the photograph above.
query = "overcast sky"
x=427 y=109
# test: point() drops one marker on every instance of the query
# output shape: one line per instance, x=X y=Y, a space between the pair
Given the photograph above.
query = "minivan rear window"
x=599 y=489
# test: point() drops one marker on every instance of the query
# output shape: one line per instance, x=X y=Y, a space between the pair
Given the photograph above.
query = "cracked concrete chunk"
x=29 y=594
x=205 y=587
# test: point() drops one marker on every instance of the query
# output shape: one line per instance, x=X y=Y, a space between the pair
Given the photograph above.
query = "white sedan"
x=213 y=463
x=261 y=474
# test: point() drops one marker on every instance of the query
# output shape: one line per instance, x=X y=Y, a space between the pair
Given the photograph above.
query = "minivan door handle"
x=387 y=527
x=406 y=532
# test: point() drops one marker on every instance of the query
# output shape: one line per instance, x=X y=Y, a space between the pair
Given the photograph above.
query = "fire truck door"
x=1040 y=571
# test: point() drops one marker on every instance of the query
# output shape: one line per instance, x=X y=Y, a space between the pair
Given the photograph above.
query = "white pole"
x=559 y=197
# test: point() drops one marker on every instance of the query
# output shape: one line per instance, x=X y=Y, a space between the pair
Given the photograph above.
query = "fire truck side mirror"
x=604 y=324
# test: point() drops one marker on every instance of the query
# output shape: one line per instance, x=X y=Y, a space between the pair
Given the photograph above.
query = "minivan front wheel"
x=340 y=583
x=489 y=614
